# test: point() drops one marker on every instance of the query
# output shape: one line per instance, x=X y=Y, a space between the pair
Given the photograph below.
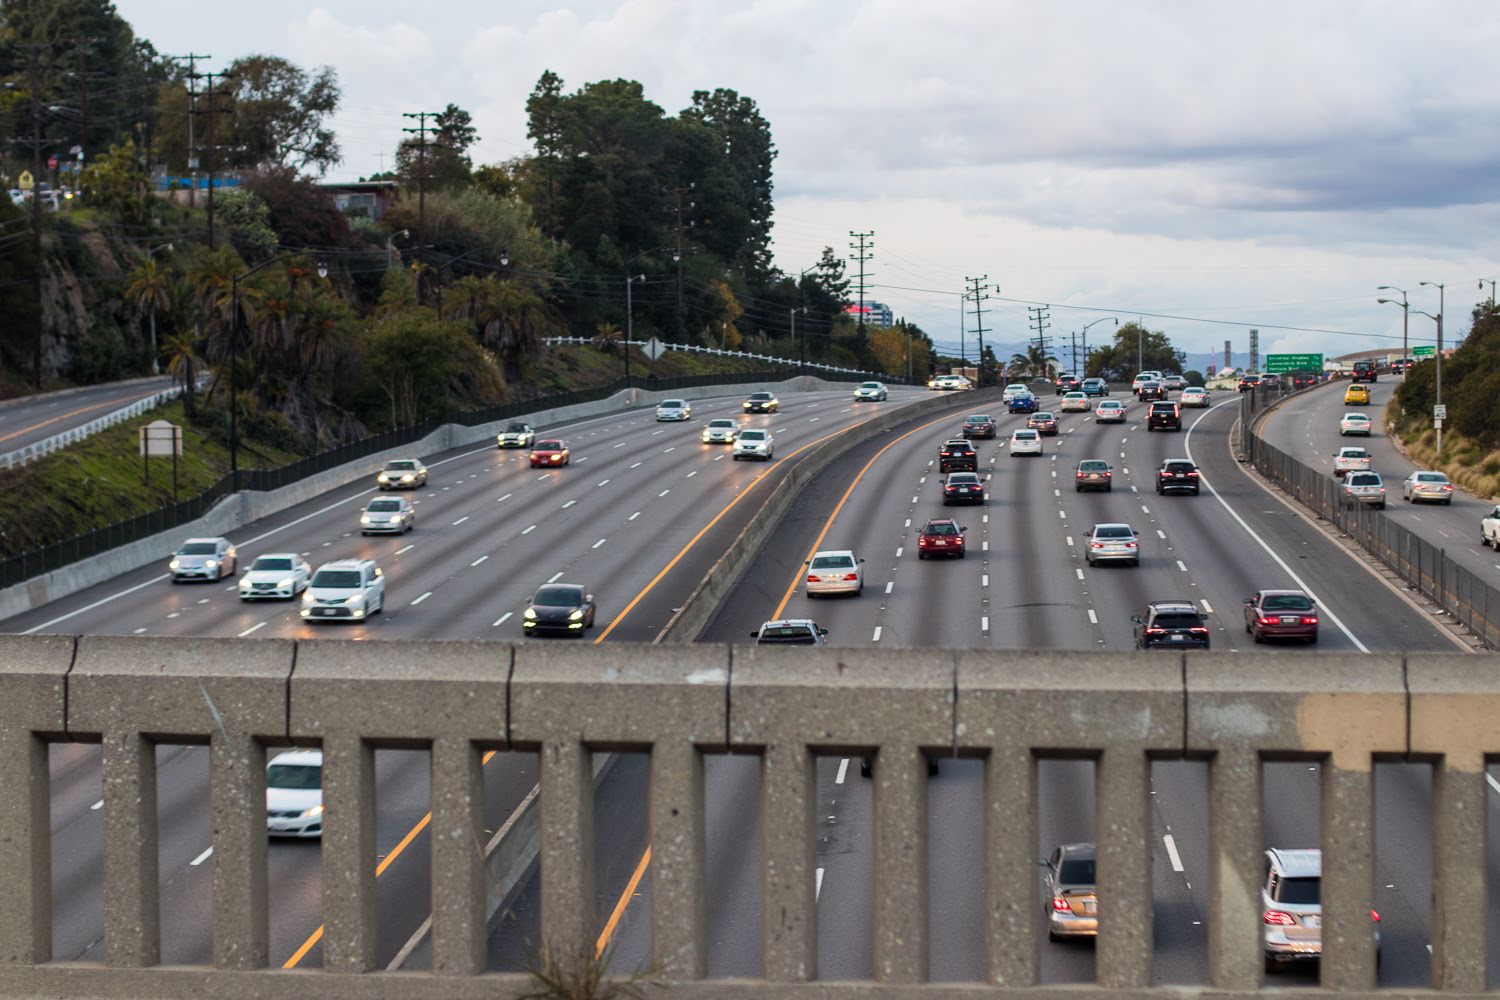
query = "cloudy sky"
x=1264 y=163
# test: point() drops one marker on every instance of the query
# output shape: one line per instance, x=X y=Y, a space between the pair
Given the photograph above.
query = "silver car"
x=1194 y=395
x=1072 y=893
x=720 y=432
x=674 y=409
x=387 y=514
x=1363 y=487
x=1110 y=411
x=872 y=391
x=754 y=443
x=203 y=559
x=1112 y=543
x=1291 y=902
x=1423 y=486
x=1354 y=423
x=1347 y=460
x=835 y=571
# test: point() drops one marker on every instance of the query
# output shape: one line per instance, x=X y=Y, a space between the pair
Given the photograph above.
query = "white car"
x=1074 y=402
x=1112 y=543
x=1026 y=442
x=203 y=559
x=754 y=442
x=720 y=431
x=1489 y=529
x=1110 y=411
x=275 y=574
x=1354 y=423
x=1012 y=391
x=1348 y=460
x=944 y=382
x=294 y=794
x=835 y=571
x=387 y=514
x=344 y=590
x=1194 y=395
x=873 y=392
x=517 y=434
x=1433 y=486
x=1143 y=378
x=673 y=409
x=402 y=474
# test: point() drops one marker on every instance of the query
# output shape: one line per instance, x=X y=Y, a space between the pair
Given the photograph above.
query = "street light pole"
x=629 y=305
x=1085 y=339
x=1438 y=375
x=1405 y=317
x=792 y=312
x=1491 y=283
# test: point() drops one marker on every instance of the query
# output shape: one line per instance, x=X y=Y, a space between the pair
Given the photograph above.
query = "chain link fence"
x=1423 y=566
x=26 y=565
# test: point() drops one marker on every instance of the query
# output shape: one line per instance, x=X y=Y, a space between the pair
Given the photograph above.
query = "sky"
x=1261 y=164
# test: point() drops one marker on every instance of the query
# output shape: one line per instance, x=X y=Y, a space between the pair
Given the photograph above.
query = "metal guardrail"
x=29 y=564
x=1008 y=709
x=1425 y=567
x=720 y=352
x=46 y=446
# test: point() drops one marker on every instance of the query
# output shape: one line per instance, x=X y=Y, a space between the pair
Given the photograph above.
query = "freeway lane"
x=1033 y=586
x=489 y=531
x=1307 y=427
x=31 y=419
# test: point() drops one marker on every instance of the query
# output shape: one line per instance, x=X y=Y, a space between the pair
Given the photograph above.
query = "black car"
x=963 y=487
x=1151 y=390
x=1177 y=474
x=1164 y=415
x=979 y=425
x=958 y=456
x=1170 y=625
x=564 y=608
x=1067 y=383
x=761 y=402
x=1248 y=382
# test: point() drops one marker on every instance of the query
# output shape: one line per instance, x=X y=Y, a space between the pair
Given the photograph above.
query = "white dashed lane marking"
x=460 y=520
x=555 y=577
x=501 y=620
x=421 y=599
x=405 y=548
x=529 y=530
x=1093 y=618
x=253 y=628
x=476 y=562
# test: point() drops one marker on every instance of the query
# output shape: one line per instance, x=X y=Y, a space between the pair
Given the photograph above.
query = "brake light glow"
x=1130 y=545
x=1061 y=905
x=1309 y=620
x=1267 y=621
x=1199 y=628
x=1279 y=919
x=851 y=576
x=812 y=578
x=1375 y=915
x=1156 y=631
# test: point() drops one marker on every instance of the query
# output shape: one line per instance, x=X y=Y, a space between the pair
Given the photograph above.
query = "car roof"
x=347 y=564
x=834 y=552
x=1071 y=395
x=961 y=475
x=1110 y=402
x=1189 y=461
x=1179 y=605
x=672 y=402
x=1081 y=851
x=978 y=416
x=784 y=622
x=564 y=583
x=278 y=555
x=1284 y=593
x=1110 y=524
x=1306 y=862
x=939 y=520
x=191 y=541
x=310 y=757
x=1023 y=432
x=403 y=459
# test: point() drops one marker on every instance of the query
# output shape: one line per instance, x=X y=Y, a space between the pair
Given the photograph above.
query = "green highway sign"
x=1276 y=363
x=1423 y=352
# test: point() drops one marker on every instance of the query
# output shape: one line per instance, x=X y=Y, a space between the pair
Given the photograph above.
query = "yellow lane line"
x=619 y=910
x=73 y=413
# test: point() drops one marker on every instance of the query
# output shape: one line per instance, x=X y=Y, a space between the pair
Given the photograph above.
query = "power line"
x=978 y=295
x=864 y=250
x=192 y=90
x=421 y=133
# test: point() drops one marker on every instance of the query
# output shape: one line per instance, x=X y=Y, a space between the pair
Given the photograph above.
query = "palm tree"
x=1036 y=361
x=181 y=353
x=147 y=290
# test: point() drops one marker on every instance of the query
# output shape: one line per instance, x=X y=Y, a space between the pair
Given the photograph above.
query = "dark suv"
x=1170 y=625
x=1177 y=474
x=979 y=425
x=958 y=456
x=1067 y=383
x=1164 y=415
x=1248 y=382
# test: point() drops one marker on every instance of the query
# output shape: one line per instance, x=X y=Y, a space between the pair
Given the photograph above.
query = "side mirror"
x=822 y=631
x=861 y=560
x=807 y=562
x=964 y=528
x=755 y=634
x=1137 y=619
x=588 y=598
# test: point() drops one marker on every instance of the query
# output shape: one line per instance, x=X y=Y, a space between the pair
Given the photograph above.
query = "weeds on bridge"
x=582 y=975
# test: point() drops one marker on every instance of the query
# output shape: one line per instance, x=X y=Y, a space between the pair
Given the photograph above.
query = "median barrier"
x=1008 y=709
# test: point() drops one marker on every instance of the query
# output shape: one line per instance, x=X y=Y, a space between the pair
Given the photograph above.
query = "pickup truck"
x=1489 y=529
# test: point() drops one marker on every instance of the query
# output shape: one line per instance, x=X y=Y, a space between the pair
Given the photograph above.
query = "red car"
x=549 y=454
x=940 y=537
x=1281 y=614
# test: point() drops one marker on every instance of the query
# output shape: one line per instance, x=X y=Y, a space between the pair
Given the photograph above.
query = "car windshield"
x=1044 y=416
x=1286 y=602
x=1365 y=479
x=1113 y=531
x=1110 y=404
x=1093 y=466
x=1356 y=417
x=1302 y=891
x=760 y=395
x=721 y=423
x=1431 y=477
x=752 y=435
x=797 y=635
x=833 y=562
x=869 y=385
x=941 y=529
x=1179 y=467
x=1025 y=435
x=384 y=506
x=516 y=429
x=976 y=420
x=302 y=777
x=559 y=597
x=272 y=564
x=963 y=478
x=198 y=549
x=1355 y=453
x=1077 y=871
x=1092 y=381
x=400 y=466
x=1177 y=619
x=1074 y=395
x=336 y=578
x=671 y=404
x=550 y=446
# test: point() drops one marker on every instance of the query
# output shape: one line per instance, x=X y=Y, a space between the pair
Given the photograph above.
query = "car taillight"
x=1096 y=545
x=1156 y=631
x=1061 y=905
x=1199 y=628
x=1279 y=918
x=1130 y=545
x=946 y=454
x=1375 y=916
x=1079 y=475
x=1193 y=473
x=1108 y=474
x=1448 y=487
x=1309 y=621
x=851 y=576
x=1267 y=621
x=812 y=578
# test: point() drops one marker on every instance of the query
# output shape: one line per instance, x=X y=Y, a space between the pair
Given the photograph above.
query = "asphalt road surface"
x=35 y=418
x=489 y=531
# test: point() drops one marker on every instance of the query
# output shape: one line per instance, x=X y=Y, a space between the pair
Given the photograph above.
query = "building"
x=875 y=314
x=362 y=199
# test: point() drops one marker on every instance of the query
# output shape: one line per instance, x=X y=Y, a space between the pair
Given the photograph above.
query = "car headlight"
x=382 y=478
x=174 y=564
x=210 y=564
x=577 y=615
x=408 y=478
x=529 y=614
x=314 y=811
x=283 y=583
x=308 y=598
x=364 y=520
x=245 y=582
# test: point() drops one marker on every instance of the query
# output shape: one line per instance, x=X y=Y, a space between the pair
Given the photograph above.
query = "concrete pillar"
x=788 y=905
x=350 y=936
x=678 y=846
x=1010 y=847
x=1123 y=868
x=458 y=872
x=1348 y=833
x=900 y=824
x=237 y=783
x=567 y=849
x=1236 y=853
x=132 y=924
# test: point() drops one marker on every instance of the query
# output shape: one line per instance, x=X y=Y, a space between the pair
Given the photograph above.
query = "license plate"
x=1090 y=906
x=323 y=611
x=1288 y=621
x=1177 y=637
x=1312 y=920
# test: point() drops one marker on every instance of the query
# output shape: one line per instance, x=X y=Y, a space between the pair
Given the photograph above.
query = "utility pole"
x=192 y=60
x=1040 y=321
x=421 y=133
x=1074 y=367
x=82 y=73
x=978 y=294
x=677 y=194
x=210 y=148
x=34 y=85
x=864 y=250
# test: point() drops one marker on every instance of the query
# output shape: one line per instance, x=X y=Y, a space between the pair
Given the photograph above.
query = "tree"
x=545 y=128
x=297 y=210
x=1118 y=362
x=888 y=350
x=116 y=183
x=183 y=362
x=18 y=303
x=734 y=194
x=1035 y=361
x=445 y=163
x=148 y=290
x=411 y=354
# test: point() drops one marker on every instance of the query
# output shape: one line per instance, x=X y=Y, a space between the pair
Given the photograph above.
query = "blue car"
x=1023 y=404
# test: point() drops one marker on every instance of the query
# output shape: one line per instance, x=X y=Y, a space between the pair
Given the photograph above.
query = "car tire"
x=1380 y=506
x=1448 y=502
x=1273 y=966
x=921 y=556
x=1136 y=561
x=1256 y=636
x=961 y=555
x=1195 y=491
x=1109 y=489
x=1312 y=640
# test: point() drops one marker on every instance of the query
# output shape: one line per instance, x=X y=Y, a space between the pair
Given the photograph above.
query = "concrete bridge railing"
x=785 y=705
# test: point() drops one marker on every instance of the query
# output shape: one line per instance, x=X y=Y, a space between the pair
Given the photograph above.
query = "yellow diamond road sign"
x=25 y=182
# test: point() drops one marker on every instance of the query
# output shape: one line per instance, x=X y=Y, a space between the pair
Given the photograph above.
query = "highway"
x=1307 y=427
x=1025 y=585
x=640 y=499
x=30 y=419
